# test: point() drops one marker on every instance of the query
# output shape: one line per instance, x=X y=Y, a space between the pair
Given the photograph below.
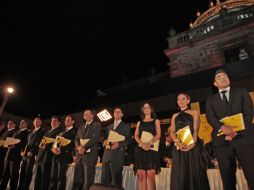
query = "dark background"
x=57 y=54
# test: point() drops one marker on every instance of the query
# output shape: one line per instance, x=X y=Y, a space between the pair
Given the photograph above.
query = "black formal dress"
x=189 y=168
x=146 y=160
x=113 y=160
x=241 y=147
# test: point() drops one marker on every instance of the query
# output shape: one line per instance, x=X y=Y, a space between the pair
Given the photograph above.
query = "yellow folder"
x=235 y=121
x=60 y=141
x=2 y=142
x=46 y=140
x=84 y=141
x=10 y=141
x=115 y=137
x=147 y=137
x=184 y=135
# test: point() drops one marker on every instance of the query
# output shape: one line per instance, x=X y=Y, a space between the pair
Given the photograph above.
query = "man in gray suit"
x=87 y=154
x=113 y=157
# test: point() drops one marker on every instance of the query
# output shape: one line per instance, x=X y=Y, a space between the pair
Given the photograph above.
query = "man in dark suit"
x=87 y=154
x=63 y=156
x=231 y=146
x=129 y=154
x=210 y=156
x=9 y=133
x=31 y=149
x=13 y=157
x=45 y=155
x=166 y=149
x=113 y=157
x=2 y=128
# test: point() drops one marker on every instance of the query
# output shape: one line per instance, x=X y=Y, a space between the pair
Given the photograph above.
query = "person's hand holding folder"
x=113 y=140
x=11 y=142
x=80 y=149
x=184 y=140
x=231 y=125
x=146 y=144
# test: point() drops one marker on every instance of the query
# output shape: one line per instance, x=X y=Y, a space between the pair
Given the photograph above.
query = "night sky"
x=58 y=53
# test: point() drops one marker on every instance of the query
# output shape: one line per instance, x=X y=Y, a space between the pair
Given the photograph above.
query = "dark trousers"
x=26 y=173
x=43 y=175
x=2 y=157
x=87 y=180
x=112 y=173
x=58 y=175
x=227 y=156
x=11 y=172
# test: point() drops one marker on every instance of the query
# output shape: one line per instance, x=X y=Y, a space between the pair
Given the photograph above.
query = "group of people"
x=51 y=162
x=188 y=163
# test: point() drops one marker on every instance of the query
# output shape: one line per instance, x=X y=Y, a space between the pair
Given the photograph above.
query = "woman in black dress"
x=189 y=167
x=147 y=161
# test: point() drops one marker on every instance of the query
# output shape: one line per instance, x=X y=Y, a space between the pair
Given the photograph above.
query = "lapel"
x=111 y=127
x=219 y=101
x=88 y=127
x=118 y=126
x=54 y=131
x=10 y=133
x=64 y=133
x=19 y=133
x=218 y=98
x=47 y=134
x=34 y=133
x=222 y=108
x=231 y=96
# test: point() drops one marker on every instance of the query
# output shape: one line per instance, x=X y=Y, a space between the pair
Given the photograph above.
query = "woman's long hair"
x=142 y=114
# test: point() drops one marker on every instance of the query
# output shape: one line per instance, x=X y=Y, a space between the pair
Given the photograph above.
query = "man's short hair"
x=219 y=71
x=56 y=117
x=118 y=107
x=13 y=121
x=71 y=116
x=91 y=110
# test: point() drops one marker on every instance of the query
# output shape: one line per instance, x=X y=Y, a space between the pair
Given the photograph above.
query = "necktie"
x=224 y=97
x=66 y=130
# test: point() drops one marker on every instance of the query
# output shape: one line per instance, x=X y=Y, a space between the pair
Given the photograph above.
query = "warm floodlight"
x=10 y=90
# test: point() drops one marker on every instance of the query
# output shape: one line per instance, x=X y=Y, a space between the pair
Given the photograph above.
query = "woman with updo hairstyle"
x=189 y=166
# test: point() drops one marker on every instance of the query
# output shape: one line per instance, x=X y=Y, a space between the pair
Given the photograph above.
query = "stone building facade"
x=223 y=34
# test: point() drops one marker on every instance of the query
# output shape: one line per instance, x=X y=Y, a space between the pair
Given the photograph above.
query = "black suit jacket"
x=118 y=154
x=13 y=154
x=239 y=102
x=46 y=155
x=165 y=151
x=3 y=150
x=8 y=133
x=92 y=132
x=2 y=131
x=34 y=140
x=68 y=150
